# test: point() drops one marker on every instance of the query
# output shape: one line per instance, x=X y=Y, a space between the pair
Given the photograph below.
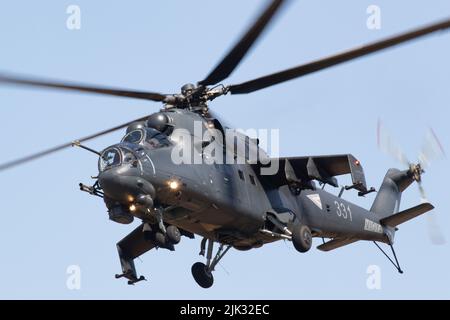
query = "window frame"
x=118 y=151
x=143 y=136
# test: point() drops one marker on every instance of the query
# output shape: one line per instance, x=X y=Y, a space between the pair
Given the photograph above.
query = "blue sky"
x=48 y=225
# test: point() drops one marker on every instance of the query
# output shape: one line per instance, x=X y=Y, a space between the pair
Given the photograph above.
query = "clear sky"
x=48 y=225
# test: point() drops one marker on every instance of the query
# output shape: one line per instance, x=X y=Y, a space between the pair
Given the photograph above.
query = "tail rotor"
x=431 y=150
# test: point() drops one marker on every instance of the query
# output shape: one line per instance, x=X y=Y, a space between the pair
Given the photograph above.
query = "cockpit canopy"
x=148 y=137
x=115 y=156
x=134 y=140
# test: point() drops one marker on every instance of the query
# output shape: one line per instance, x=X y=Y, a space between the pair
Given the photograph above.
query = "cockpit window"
x=155 y=139
x=134 y=136
x=109 y=158
x=149 y=137
x=128 y=156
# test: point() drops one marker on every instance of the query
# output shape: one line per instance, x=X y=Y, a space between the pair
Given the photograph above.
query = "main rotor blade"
x=43 y=153
x=289 y=74
x=54 y=84
x=232 y=59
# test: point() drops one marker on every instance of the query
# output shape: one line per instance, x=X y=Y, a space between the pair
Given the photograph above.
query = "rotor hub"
x=187 y=89
x=416 y=171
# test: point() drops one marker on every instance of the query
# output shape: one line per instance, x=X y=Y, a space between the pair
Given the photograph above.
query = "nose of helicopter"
x=122 y=184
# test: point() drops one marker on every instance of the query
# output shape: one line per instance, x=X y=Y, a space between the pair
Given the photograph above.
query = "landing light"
x=174 y=184
x=132 y=208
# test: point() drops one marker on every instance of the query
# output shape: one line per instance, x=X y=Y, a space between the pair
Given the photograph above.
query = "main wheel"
x=173 y=234
x=202 y=275
x=159 y=238
x=301 y=238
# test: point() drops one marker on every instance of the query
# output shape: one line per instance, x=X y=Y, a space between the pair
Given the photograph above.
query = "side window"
x=252 y=180
x=155 y=139
x=134 y=136
x=241 y=175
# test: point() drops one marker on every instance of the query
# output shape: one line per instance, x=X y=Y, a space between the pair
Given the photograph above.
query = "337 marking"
x=343 y=211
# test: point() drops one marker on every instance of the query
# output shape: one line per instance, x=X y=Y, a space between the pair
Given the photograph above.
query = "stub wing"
x=134 y=244
x=321 y=168
x=131 y=247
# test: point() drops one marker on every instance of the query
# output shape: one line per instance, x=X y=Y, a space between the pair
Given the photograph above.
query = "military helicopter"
x=235 y=205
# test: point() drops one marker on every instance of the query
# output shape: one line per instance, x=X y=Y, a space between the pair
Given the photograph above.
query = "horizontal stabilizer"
x=336 y=243
x=405 y=215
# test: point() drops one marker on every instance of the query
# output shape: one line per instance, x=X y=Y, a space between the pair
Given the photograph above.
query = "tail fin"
x=387 y=201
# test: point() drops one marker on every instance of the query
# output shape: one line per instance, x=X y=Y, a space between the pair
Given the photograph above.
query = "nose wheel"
x=202 y=272
x=167 y=239
x=166 y=234
x=173 y=234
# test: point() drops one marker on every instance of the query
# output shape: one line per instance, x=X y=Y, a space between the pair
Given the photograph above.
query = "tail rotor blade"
x=434 y=231
x=431 y=149
x=423 y=196
x=389 y=146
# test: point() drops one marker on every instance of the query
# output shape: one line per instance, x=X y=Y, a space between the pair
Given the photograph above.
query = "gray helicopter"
x=239 y=203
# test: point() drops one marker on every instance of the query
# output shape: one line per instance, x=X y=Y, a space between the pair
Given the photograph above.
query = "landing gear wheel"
x=160 y=238
x=202 y=275
x=173 y=234
x=243 y=248
x=301 y=238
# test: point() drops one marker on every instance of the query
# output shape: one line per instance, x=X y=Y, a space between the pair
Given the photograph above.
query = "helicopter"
x=168 y=171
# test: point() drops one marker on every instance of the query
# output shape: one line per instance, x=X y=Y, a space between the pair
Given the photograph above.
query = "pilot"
x=153 y=142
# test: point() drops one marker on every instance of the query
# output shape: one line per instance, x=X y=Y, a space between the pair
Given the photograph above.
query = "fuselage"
x=228 y=202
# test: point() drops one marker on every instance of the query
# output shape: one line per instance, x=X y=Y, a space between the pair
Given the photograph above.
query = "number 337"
x=343 y=211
